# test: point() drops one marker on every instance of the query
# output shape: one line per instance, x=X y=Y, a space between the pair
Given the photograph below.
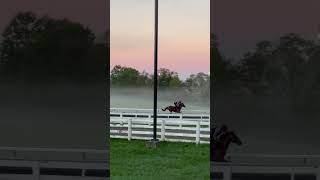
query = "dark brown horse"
x=176 y=109
x=219 y=149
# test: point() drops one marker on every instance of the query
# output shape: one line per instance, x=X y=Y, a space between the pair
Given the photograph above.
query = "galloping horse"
x=176 y=109
x=219 y=149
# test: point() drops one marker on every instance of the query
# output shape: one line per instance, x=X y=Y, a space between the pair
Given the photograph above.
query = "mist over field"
x=53 y=115
x=269 y=125
x=128 y=97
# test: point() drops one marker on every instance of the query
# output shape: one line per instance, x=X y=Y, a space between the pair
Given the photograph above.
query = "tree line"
x=35 y=48
x=287 y=67
x=122 y=76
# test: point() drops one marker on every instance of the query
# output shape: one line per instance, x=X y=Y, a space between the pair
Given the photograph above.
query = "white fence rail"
x=138 y=124
x=128 y=110
x=267 y=166
x=48 y=163
x=35 y=170
x=280 y=159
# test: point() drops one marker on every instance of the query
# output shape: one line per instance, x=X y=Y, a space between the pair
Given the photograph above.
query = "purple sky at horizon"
x=184 y=35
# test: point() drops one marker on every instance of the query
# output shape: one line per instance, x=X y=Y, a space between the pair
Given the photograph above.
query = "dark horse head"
x=180 y=104
x=219 y=149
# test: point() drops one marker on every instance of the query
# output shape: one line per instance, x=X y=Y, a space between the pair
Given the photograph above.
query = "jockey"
x=175 y=103
x=218 y=132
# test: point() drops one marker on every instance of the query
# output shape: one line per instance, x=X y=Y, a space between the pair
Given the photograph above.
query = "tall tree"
x=167 y=77
x=124 y=76
x=17 y=37
x=198 y=84
x=43 y=47
x=220 y=65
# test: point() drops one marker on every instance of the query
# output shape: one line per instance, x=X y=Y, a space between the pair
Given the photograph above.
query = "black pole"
x=155 y=73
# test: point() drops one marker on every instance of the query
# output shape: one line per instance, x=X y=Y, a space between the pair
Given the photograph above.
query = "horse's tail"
x=164 y=109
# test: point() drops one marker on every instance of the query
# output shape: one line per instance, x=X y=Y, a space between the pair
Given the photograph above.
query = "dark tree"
x=16 y=40
x=46 y=48
x=220 y=65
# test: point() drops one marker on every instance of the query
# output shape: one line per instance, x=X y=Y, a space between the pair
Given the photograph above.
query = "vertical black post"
x=155 y=73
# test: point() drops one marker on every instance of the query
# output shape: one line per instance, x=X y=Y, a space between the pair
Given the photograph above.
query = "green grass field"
x=132 y=160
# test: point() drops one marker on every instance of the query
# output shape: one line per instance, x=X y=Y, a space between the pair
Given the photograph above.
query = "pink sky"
x=184 y=31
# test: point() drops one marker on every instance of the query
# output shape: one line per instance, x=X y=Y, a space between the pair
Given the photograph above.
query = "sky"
x=240 y=24
x=91 y=13
x=184 y=35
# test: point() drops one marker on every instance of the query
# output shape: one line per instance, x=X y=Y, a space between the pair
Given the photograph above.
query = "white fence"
x=189 y=126
x=47 y=164
x=132 y=110
x=265 y=166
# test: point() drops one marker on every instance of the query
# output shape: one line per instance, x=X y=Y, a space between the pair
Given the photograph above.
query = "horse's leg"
x=220 y=156
x=218 y=153
x=214 y=154
x=223 y=155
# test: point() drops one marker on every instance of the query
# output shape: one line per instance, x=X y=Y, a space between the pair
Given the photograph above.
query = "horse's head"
x=219 y=149
x=230 y=137
x=235 y=139
x=181 y=104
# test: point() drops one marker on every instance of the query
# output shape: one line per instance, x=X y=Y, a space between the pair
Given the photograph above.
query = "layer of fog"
x=269 y=124
x=126 y=97
x=60 y=115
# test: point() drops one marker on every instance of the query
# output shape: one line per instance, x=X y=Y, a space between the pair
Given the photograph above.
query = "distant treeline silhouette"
x=43 y=48
x=122 y=76
x=288 y=67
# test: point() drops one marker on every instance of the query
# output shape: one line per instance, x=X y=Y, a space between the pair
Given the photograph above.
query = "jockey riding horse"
x=221 y=138
x=176 y=108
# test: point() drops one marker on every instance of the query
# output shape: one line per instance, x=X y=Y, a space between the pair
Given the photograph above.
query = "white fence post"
x=180 y=125
x=198 y=132
x=150 y=119
x=36 y=170
x=129 y=129
x=228 y=174
x=163 y=130
x=292 y=175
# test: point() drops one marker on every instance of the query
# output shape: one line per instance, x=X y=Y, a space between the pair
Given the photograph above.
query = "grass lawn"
x=132 y=160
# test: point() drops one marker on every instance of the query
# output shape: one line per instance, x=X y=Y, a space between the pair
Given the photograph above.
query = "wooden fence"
x=138 y=124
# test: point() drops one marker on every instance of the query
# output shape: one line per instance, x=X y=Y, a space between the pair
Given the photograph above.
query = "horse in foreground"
x=177 y=108
x=219 y=148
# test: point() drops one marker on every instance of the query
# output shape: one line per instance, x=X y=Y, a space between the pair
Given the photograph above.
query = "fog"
x=269 y=124
x=53 y=115
x=128 y=97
